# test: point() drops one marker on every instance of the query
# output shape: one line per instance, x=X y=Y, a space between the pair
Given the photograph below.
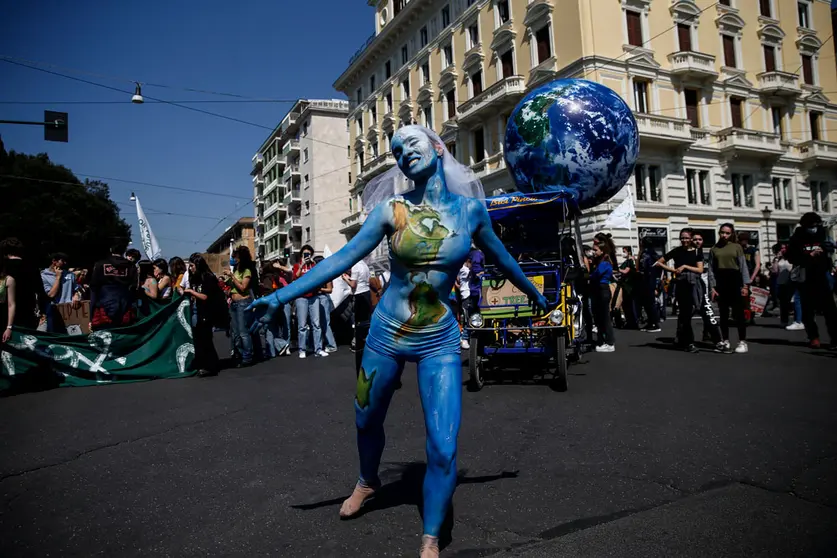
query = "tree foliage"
x=48 y=215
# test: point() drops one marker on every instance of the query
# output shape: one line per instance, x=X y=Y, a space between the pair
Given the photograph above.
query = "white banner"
x=622 y=217
x=149 y=241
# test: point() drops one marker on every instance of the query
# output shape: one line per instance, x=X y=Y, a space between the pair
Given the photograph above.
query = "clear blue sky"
x=279 y=50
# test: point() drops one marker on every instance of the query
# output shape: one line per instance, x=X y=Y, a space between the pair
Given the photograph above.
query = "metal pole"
x=55 y=123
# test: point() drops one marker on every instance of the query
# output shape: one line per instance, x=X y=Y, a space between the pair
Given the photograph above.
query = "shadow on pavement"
x=407 y=491
x=773 y=341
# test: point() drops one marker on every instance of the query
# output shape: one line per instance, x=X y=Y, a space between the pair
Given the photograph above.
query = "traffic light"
x=56 y=126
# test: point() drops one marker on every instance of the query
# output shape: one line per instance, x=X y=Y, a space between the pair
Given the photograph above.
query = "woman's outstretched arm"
x=370 y=235
x=487 y=241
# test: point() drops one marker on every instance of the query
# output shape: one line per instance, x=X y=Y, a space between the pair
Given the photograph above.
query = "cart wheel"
x=475 y=366
x=559 y=380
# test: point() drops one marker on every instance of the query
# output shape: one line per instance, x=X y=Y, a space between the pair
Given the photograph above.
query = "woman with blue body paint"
x=429 y=220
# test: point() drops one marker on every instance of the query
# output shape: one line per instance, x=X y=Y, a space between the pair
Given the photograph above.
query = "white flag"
x=149 y=241
x=622 y=217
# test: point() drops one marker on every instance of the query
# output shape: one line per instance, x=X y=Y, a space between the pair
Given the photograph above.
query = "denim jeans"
x=276 y=332
x=240 y=322
x=308 y=311
x=326 y=308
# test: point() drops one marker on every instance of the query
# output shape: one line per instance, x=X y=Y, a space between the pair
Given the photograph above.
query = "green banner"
x=159 y=346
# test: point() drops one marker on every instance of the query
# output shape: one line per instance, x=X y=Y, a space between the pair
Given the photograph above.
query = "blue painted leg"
x=440 y=387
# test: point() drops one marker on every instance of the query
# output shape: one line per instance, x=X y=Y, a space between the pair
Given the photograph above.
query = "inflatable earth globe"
x=574 y=136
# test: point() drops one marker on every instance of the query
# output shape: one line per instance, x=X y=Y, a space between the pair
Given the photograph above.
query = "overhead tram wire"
x=172 y=103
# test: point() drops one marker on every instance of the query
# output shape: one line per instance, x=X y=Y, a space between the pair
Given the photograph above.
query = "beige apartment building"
x=734 y=99
x=300 y=180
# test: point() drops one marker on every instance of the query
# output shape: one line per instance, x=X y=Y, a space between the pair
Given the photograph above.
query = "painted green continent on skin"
x=364 y=388
x=420 y=232
x=425 y=306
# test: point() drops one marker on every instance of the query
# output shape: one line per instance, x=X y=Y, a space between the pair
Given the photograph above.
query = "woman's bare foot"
x=429 y=546
x=354 y=502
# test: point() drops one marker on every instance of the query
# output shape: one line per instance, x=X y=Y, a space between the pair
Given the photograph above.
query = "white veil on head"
x=459 y=178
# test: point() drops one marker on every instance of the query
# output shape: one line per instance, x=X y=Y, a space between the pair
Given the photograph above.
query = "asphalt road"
x=650 y=453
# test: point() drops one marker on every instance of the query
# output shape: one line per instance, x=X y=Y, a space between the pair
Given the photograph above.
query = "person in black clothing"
x=113 y=288
x=209 y=309
x=687 y=270
x=31 y=301
x=810 y=249
x=646 y=285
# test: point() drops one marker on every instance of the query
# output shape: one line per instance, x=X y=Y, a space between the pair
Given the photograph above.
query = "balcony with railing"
x=272 y=231
x=663 y=130
x=269 y=164
x=291 y=172
x=688 y=64
x=293 y=195
x=270 y=186
x=271 y=209
x=258 y=163
x=352 y=223
x=779 y=83
x=290 y=223
x=501 y=96
x=818 y=152
x=376 y=166
x=752 y=143
x=291 y=147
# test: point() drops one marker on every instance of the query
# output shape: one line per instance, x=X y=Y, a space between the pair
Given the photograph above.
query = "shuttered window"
x=684 y=36
x=634 y=21
x=729 y=51
x=769 y=58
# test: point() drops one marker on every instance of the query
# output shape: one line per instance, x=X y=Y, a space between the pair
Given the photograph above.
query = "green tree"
x=50 y=210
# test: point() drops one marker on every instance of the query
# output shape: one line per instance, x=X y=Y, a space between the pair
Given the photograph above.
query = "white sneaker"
x=595 y=329
x=321 y=353
x=331 y=349
x=725 y=345
x=741 y=347
x=605 y=349
x=795 y=326
x=464 y=344
x=302 y=354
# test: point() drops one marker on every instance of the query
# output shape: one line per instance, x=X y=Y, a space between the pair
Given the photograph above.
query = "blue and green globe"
x=575 y=136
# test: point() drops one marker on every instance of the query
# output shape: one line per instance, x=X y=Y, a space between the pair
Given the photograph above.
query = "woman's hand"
x=7 y=335
x=745 y=291
x=714 y=294
x=539 y=303
x=271 y=303
x=680 y=269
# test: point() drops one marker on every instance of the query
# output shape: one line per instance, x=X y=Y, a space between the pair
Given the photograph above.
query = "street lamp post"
x=766 y=213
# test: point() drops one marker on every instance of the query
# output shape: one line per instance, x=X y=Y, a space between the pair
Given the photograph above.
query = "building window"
x=305 y=129
x=405 y=88
x=423 y=37
x=542 y=40
x=640 y=95
x=764 y=8
x=776 y=113
x=372 y=83
x=742 y=191
x=804 y=14
x=447 y=53
x=450 y=96
x=425 y=73
x=307 y=234
x=634 y=22
x=725 y=3
x=503 y=11
x=359 y=95
x=479 y=145
x=305 y=181
x=648 y=182
x=389 y=102
x=777 y=193
x=697 y=183
x=451 y=147
x=808 y=69
x=473 y=35
x=359 y=125
x=769 y=58
x=729 y=51
x=305 y=155
x=476 y=83
x=692 y=112
x=404 y=55
x=374 y=147
x=814 y=121
x=445 y=16
x=387 y=69
x=373 y=113
x=428 y=117
x=684 y=37
x=307 y=207
x=820 y=196
x=736 y=112
x=787 y=195
x=507 y=62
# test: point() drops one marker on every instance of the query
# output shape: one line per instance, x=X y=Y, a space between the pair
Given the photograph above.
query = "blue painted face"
x=415 y=154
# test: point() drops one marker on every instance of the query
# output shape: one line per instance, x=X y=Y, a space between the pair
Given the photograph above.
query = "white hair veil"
x=459 y=178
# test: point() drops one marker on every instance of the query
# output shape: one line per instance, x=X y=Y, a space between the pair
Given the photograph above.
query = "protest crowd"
x=727 y=286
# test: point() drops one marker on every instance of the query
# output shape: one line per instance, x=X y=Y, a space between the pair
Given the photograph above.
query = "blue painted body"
x=429 y=231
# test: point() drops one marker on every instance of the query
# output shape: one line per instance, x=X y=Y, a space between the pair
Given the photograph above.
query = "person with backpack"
x=209 y=310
